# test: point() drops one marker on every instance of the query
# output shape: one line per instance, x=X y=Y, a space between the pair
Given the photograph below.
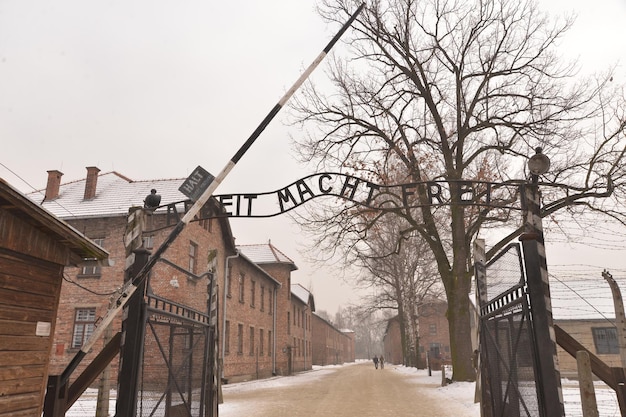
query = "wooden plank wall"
x=29 y=294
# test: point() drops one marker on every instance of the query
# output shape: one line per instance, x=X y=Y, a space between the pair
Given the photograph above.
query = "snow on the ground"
x=459 y=396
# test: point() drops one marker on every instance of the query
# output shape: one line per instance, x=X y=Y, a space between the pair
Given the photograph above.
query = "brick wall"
x=433 y=329
x=330 y=346
x=249 y=316
x=392 y=343
x=164 y=280
x=282 y=273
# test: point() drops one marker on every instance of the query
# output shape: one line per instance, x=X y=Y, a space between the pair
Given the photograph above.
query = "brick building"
x=599 y=335
x=434 y=332
x=434 y=336
x=293 y=305
x=392 y=342
x=330 y=345
x=263 y=328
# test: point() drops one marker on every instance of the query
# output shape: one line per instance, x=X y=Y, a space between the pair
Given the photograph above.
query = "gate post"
x=482 y=385
x=620 y=317
x=540 y=302
x=133 y=324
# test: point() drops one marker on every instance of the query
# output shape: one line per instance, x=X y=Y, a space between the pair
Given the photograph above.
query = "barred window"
x=193 y=257
x=84 y=324
x=605 y=339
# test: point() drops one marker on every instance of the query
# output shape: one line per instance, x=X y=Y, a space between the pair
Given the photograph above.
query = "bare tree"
x=401 y=274
x=457 y=90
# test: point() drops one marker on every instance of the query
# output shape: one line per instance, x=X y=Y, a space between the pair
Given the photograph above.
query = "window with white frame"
x=93 y=270
x=84 y=324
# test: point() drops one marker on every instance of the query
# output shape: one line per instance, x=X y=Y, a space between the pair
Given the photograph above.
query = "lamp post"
x=549 y=376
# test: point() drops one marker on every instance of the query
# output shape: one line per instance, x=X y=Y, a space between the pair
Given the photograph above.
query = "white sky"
x=152 y=89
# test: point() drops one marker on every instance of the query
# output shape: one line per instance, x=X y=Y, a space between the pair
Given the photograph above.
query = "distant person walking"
x=375 y=361
x=382 y=362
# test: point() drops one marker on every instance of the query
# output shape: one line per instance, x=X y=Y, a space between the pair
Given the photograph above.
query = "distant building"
x=598 y=335
x=392 y=342
x=331 y=346
x=434 y=336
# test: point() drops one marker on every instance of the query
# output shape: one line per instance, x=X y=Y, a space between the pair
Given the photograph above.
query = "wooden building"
x=35 y=248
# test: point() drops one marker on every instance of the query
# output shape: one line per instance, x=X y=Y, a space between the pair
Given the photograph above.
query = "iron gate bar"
x=170 y=370
x=181 y=311
x=514 y=354
x=502 y=302
x=505 y=251
x=507 y=369
x=505 y=347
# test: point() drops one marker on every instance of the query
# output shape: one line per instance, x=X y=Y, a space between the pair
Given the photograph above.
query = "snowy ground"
x=458 y=396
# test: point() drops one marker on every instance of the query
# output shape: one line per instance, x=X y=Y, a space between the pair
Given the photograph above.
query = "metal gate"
x=508 y=353
x=174 y=375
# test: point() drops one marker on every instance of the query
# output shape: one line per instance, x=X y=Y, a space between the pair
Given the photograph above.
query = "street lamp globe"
x=538 y=164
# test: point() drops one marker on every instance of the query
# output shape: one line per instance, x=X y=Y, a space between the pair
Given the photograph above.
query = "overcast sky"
x=151 y=89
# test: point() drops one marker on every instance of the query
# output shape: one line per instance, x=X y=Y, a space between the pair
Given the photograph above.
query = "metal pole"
x=131 y=286
x=620 y=318
x=541 y=304
x=483 y=390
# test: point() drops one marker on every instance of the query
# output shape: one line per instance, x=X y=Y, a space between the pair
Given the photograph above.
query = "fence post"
x=133 y=325
x=483 y=391
x=541 y=304
x=620 y=318
x=585 y=382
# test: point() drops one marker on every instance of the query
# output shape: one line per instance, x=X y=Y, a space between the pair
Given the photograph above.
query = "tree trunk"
x=460 y=330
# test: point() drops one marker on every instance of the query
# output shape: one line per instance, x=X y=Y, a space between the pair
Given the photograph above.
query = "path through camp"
x=356 y=390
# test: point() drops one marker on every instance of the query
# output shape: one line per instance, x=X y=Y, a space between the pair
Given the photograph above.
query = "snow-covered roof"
x=266 y=253
x=303 y=294
x=115 y=194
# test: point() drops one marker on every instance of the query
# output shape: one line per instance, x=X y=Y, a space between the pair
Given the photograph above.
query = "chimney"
x=91 y=182
x=54 y=183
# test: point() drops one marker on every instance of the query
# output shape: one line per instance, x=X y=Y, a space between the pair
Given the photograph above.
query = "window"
x=269 y=343
x=84 y=323
x=242 y=282
x=240 y=339
x=435 y=350
x=605 y=339
x=229 y=283
x=148 y=242
x=207 y=224
x=193 y=257
x=271 y=303
x=252 y=293
x=432 y=328
x=227 y=337
x=288 y=322
x=262 y=298
x=251 y=341
x=93 y=270
x=261 y=339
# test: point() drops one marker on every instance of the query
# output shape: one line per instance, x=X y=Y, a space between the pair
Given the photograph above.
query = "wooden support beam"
x=94 y=369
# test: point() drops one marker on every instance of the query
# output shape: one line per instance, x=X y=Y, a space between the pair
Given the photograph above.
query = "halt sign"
x=195 y=185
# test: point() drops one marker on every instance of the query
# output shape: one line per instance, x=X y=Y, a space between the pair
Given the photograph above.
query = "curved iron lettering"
x=485 y=194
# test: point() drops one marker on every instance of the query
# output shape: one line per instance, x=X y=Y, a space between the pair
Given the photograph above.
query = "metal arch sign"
x=375 y=196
